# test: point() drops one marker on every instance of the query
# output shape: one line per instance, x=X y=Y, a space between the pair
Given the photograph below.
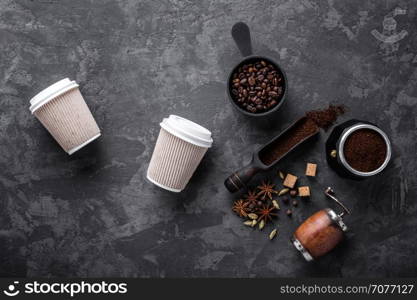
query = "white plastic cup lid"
x=58 y=88
x=187 y=131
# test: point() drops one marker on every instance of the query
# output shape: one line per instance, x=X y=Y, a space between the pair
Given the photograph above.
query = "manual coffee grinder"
x=321 y=232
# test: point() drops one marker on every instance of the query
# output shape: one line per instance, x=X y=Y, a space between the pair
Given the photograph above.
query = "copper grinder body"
x=321 y=232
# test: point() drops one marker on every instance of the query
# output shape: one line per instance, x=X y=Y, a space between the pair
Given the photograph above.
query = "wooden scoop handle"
x=238 y=179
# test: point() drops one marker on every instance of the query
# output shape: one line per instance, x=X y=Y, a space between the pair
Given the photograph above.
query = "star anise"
x=251 y=197
x=240 y=208
x=266 y=189
x=266 y=213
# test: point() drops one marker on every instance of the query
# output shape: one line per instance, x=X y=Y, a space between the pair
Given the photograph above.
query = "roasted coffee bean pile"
x=257 y=87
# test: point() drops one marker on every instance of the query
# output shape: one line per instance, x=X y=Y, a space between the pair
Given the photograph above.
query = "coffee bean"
x=273 y=94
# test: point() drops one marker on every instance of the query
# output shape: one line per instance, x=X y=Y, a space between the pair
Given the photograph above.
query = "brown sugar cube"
x=311 y=169
x=290 y=180
x=304 y=191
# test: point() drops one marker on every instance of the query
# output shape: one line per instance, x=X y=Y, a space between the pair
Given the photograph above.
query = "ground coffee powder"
x=275 y=150
x=304 y=128
x=365 y=150
x=325 y=118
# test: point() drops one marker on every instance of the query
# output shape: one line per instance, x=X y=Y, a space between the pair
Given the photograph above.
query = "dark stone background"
x=94 y=214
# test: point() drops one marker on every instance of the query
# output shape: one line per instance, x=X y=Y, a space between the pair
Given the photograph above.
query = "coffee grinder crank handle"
x=330 y=193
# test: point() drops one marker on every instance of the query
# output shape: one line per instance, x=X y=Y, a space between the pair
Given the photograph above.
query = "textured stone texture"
x=94 y=214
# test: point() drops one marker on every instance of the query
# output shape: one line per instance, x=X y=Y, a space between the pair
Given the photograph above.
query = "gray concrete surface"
x=94 y=214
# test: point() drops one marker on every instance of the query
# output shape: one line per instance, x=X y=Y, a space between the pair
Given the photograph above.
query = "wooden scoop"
x=271 y=153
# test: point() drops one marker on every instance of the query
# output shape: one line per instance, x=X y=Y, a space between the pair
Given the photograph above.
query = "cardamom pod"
x=281 y=175
x=283 y=191
x=254 y=222
x=252 y=216
x=333 y=153
x=248 y=223
x=275 y=204
x=273 y=234
x=261 y=225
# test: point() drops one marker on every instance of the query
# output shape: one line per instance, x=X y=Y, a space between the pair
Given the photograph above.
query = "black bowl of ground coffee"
x=358 y=149
x=257 y=86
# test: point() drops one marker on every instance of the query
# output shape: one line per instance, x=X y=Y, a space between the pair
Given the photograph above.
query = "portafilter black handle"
x=238 y=179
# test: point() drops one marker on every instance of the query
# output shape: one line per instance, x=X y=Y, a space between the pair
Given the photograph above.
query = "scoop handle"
x=241 y=35
x=238 y=179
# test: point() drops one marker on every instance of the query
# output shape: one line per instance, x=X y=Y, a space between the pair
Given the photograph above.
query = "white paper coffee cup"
x=63 y=112
x=180 y=146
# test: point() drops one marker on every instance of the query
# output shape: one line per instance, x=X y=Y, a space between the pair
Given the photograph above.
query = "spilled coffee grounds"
x=301 y=130
x=275 y=150
x=365 y=150
x=326 y=117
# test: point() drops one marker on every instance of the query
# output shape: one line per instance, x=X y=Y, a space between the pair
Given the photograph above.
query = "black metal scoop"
x=242 y=38
x=238 y=179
